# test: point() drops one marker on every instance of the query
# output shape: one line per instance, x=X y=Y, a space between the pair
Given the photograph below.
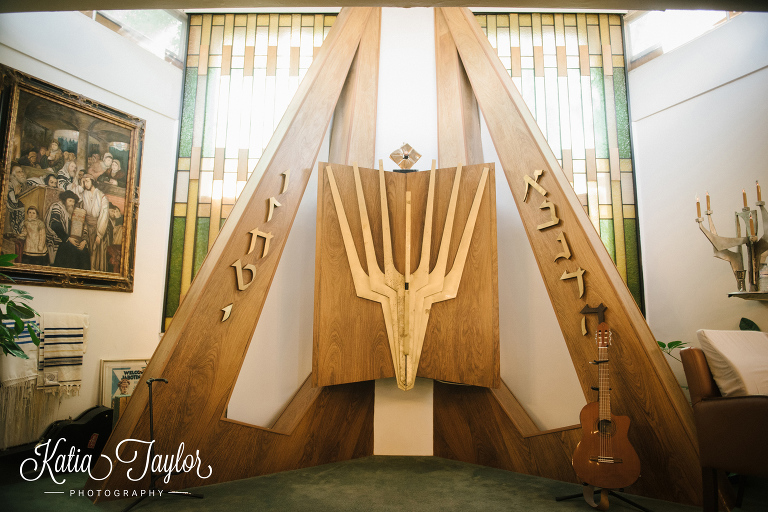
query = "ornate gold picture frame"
x=69 y=186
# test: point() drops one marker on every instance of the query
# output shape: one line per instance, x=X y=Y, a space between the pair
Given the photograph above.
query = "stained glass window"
x=242 y=71
x=569 y=69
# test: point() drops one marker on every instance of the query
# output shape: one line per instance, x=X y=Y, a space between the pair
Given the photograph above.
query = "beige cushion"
x=738 y=360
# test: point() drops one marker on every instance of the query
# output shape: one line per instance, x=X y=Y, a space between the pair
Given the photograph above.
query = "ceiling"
x=82 y=5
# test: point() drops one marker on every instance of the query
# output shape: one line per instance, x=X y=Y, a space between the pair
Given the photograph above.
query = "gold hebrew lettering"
x=273 y=203
x=566 y=250
x=286 y=178
x=533 y=182
x=255 y=233
x=554 y=219
x=241 y=285
x=579 y=275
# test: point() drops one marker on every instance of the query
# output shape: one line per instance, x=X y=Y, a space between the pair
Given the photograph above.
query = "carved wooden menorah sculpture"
x=404 y=241
x=406 y=299
x=730 y=249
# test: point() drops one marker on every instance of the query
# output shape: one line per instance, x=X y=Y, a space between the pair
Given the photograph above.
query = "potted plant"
x=14 y=306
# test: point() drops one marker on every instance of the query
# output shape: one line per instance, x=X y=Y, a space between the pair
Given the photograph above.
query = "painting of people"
x=70 y=186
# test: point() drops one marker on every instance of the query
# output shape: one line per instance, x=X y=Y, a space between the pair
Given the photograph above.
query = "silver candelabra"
x=730 y=249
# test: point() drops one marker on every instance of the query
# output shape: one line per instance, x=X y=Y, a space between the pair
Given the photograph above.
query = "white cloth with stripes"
x=15 y=370
x=62 y=345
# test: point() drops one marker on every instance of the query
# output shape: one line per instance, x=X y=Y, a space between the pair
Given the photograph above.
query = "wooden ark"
x=461 y=343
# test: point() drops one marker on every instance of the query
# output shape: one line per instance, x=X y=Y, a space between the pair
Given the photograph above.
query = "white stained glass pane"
x=232 y=143
x=586 y=110
x=206 y=187
x=577 y=123
x=245 y=119
x=553 y=118
x=221 y=121
x=182 y=187
x=528 y=89
x=262 y=40
x=502 y=37
x=604 y=188
x=159 y=30
x=229 y=188
x=627 y=188
x=526 y=42
x=580 y=184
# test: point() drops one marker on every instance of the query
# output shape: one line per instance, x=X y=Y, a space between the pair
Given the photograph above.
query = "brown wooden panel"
x=458 y=120
x=353 y=133
x=461 y=343
x=350 y=340
x=472 y=426
x=336 y=426
x=645 y=388
x=200 y=354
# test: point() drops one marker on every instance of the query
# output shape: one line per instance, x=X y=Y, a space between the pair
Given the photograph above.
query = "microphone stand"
x=154 y=477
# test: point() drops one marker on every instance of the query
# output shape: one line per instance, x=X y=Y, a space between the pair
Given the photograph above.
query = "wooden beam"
x=458 y=120
x=200 y=355
x=644 y=387
x=353 y=133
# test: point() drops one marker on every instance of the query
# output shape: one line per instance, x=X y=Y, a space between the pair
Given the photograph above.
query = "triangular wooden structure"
x=201 y=355
x=579 y=276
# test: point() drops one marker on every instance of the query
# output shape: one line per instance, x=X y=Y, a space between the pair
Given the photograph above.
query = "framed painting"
x=69 y=186
x=119 y=378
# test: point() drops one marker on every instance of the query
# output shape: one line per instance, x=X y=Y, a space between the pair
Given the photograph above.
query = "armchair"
x=732 y=431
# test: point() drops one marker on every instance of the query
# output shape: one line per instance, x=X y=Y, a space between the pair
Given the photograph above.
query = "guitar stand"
x=610 y=493
x=154 y=477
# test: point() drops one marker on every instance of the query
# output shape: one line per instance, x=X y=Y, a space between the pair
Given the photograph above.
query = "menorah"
x=407 y=298
x=730 y=249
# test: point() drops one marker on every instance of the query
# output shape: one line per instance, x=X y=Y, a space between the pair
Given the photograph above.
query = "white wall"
x=699 y=120
x=72 y=51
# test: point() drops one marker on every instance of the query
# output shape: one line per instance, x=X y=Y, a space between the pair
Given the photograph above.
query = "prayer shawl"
x=60 y=357
x=15 y=370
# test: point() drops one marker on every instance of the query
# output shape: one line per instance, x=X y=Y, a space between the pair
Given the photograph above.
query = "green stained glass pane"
x=221 y=223
x=211 y=111
x=598 y=113
x=174 y=276
x=608 y=236
x=188 y=113
x=201 y=243
x=622 y=114
x=633 y=260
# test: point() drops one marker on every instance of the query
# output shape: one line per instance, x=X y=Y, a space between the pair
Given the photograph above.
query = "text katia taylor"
x=72 y=462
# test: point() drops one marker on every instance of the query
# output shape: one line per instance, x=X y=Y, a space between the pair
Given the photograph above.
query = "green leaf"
x=10 y=347
x=675 y=344
x=19 y=323
x=662 y=345
x=748 y=325
x=6 y=260
x=21 y=310
x=33 y=335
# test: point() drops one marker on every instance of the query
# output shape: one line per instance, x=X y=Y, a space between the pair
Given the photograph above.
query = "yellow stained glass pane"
x=196 y=19
x=241 y=20
x=218 y=19
x=229 y=28
x=262 y=20
x=525 y=20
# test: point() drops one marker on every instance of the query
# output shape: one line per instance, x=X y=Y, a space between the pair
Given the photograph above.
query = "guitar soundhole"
x=605 y=427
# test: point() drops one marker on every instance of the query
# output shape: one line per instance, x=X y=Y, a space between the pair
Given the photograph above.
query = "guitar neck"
x=604 y=384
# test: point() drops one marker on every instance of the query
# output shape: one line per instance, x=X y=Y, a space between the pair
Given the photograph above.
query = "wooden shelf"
x=750 y=295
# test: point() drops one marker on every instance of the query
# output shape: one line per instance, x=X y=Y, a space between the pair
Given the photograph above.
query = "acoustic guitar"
x=604 y=457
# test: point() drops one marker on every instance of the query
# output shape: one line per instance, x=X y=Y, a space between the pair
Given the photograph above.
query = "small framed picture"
x=119 y=378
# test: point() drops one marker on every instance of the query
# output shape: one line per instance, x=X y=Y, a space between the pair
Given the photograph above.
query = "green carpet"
x=371 y=484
